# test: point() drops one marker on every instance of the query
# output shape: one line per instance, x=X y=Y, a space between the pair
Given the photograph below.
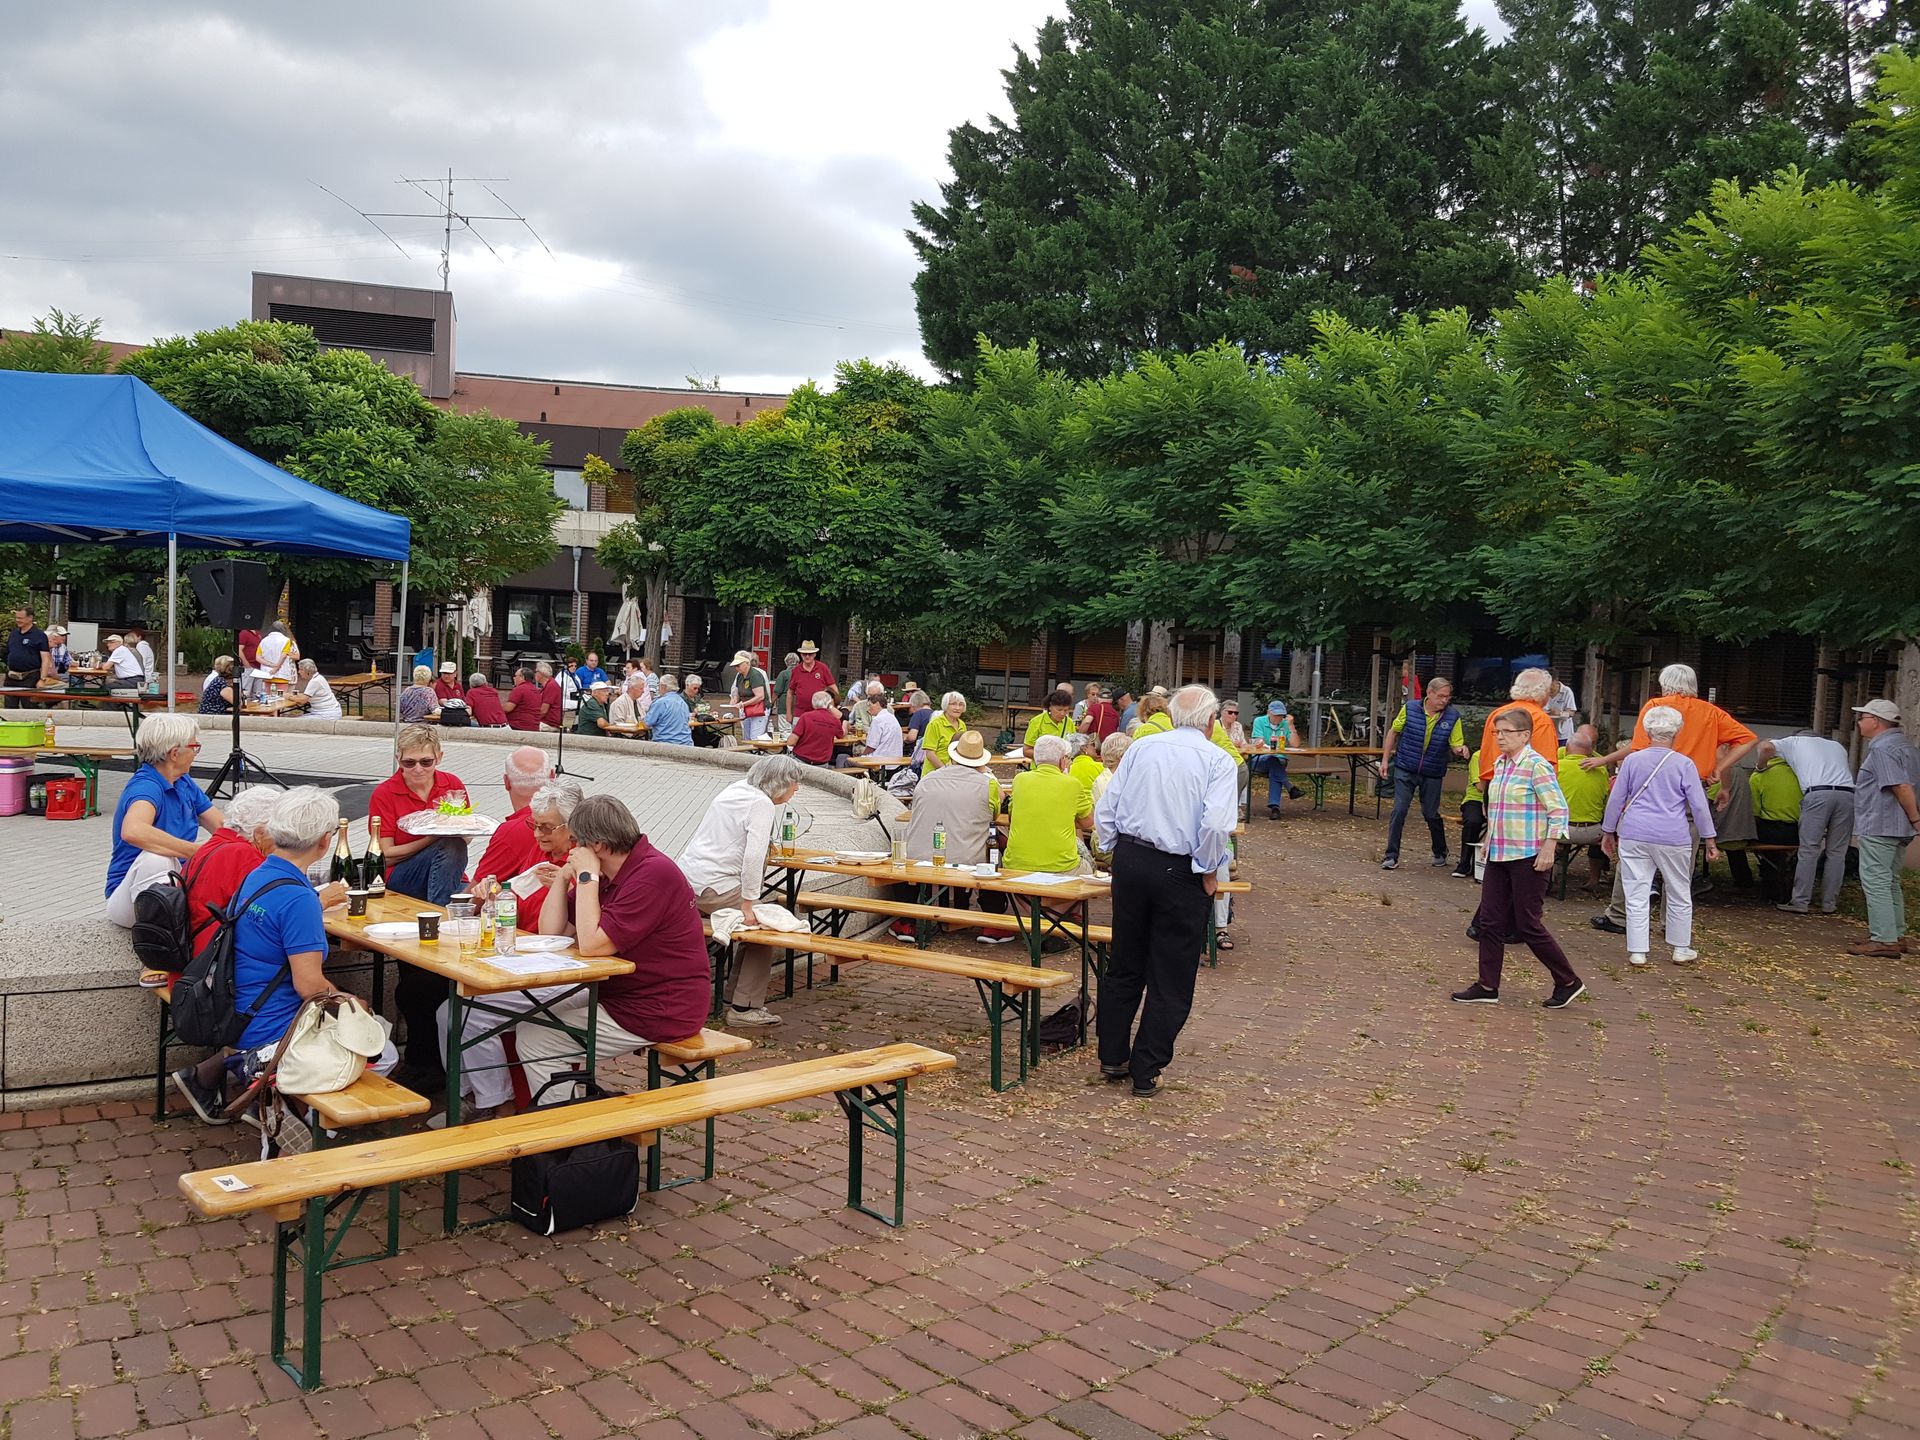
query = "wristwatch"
x=585 y=877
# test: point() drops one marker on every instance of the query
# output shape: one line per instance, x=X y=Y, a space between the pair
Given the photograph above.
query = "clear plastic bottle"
x=939 y=845
x=506 y=917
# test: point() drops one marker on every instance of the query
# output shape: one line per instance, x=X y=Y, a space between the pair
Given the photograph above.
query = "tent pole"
x=400 y=647
x=173 y=616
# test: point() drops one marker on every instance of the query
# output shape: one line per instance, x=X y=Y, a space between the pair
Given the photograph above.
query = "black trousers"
x=1159 y=930
x=1512 y=894
x=1776 y=871
x=1473 y=825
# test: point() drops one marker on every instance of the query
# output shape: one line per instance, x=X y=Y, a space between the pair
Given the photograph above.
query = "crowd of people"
x=1689 y=776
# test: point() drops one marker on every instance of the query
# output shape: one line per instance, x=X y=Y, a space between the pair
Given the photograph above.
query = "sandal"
x=155 y=979
x=1223 y=941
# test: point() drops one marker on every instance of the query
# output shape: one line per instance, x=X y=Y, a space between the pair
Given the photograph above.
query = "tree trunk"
x=1231 y=676
x=1824 y=660
x=1300 y=669
x=656 y=603
x=1906 y=685
x=1593 y=680
x=1136 y=645
x=1159 y=653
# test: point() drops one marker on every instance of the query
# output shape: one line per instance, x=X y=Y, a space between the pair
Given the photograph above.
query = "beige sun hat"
x=969 y=750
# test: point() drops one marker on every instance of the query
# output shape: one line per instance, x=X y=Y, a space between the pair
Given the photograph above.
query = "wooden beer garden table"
x=1070 y=896
x=1356 y=756
x=471 y=980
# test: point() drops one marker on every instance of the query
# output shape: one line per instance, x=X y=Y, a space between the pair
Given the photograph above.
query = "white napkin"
x=766 y=914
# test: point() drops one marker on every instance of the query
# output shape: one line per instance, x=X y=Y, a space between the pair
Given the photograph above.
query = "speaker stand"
x=239 y=767
x=560 y=752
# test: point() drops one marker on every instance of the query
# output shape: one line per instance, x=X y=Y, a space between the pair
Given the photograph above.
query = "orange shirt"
x=1546 y=736
x=1705 y=728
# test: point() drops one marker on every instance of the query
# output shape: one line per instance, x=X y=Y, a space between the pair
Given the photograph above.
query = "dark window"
x=360 y=329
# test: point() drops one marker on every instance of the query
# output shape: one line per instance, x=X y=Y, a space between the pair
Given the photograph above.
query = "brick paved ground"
x=1684 y=1208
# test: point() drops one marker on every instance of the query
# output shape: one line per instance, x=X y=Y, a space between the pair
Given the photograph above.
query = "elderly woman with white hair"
x=322 y=704
x=1530 y=692
x=726 y=863
x=942 y=730
x=1655 y=795
x=279 y=948
x=1710 y=739
x=418 y=701
x=161 y=814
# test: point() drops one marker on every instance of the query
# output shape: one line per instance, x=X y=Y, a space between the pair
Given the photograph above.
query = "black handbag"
x=565 y=1189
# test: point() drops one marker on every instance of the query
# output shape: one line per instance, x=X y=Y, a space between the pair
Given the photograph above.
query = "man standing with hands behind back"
x=1167 y=819
x=1885 y=815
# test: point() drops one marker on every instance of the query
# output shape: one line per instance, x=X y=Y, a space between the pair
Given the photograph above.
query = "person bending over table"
x=726 y=863
x=617 y=895
x=485 y=1082
x=279 y=949
x=161 y=813
x=426 y=867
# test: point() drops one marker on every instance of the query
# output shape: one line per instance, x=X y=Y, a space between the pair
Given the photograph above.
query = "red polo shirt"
x=512 y=851
x=448 y=689
x=550 y=708
x=391 y=799
x=525 y=699
x=803 y=684
x=484 y=701
x=213 y=877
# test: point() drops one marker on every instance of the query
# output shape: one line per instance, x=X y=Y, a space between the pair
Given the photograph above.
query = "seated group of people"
x=599 y=881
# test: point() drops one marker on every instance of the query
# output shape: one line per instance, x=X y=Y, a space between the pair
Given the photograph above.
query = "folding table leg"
x=883 y=1109
x=657 y=1075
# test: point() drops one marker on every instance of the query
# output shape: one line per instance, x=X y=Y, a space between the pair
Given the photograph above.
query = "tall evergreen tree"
x=1175 y=174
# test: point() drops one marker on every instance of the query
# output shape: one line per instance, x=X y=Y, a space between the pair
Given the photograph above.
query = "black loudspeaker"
x=236 y=594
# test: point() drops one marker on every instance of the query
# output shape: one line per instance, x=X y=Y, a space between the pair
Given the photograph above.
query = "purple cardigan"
x=1658 y=814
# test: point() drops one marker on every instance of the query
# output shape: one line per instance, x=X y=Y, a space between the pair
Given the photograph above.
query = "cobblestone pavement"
x=1684 y=1207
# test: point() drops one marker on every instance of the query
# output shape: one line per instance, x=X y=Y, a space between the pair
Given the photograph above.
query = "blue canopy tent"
x=104 y=459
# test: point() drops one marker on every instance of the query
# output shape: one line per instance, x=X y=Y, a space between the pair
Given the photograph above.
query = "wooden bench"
x=684 y=1062
x=302 y=1192
x=1004 y=989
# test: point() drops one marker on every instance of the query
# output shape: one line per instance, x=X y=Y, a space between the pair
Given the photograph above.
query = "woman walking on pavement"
x=1646 y=831
x=1526 y=816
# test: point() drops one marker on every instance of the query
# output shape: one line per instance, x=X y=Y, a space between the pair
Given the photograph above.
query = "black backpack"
x=162 y=935
x=205 y=1011
x=560 y=1190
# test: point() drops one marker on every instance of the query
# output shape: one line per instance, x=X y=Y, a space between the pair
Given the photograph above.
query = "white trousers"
x=148 y=869
x=753 y=727
x=484 y=1077
x=545 y=1052
x=1639 y=860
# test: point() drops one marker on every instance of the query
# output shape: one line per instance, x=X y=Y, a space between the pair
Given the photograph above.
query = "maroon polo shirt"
x=649 y=913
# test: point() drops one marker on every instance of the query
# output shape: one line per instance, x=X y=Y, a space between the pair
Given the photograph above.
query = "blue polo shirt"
x=667 y=720
x=287 y=922
x=177 y=809
x=587 y=674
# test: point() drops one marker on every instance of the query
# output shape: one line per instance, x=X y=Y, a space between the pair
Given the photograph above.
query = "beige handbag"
x=328 y=1045
x=866 y=798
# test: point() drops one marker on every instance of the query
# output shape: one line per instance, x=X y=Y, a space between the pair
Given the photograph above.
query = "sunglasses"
x=426 y=764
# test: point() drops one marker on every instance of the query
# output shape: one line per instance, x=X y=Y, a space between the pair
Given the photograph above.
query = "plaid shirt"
x=1525 y=807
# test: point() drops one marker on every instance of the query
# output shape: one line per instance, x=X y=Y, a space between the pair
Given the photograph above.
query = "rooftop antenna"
x=440 y=190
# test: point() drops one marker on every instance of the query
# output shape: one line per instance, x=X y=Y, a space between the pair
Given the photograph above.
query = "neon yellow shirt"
x=1046 y=804
x=1043 y=724
x=1162 y=722
x=1586 y=791
x=1086 y=769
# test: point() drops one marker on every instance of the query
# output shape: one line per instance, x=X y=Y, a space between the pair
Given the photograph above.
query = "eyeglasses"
x=421 y=764
x=542 y=827
x=190 y=745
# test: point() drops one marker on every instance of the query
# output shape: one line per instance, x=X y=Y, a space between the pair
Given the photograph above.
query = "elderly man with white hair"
x=1825 y=779
x=884 y=737
x=1167 y=818
x=514 y=847
x=1886 y=812
x=1654 y=797
x=161 y=814
x=725 y=862
x=630 y=705
x=1048 y=812
x=1710 y=739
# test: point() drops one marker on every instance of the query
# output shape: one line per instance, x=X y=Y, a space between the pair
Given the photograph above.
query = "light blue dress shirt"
x=667 y=720
x=1176 y=792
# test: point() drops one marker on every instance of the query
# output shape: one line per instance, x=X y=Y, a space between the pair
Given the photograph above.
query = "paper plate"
x=542 y=944
x=859 y=855
x=394 y=930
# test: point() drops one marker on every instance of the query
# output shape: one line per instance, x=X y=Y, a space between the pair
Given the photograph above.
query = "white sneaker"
x=1637 y=958
x=1681 y=955
x=992 y=937
x=758 y=1016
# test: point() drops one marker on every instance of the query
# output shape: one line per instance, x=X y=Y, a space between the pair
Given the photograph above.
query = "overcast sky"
x=724 y=185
